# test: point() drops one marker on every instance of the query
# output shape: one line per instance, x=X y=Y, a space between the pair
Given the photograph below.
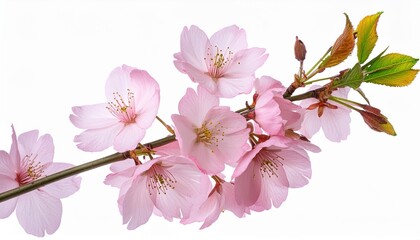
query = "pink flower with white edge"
x=30 y=158
x=131 y=107
x=335 y=122
x=265 y=173
x=221 y=198
x=272 y=112
x=223 y=64
x=167 y=186
x=208 y=134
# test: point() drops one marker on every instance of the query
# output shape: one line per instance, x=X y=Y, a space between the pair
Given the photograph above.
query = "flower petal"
x=137 y=205
x=129 y=137
x=39 y=212
x=118 y=82
x=195 y=106
x=228 y=87
x=7 y=207
x=7 y=167
x=64 y=187
x=245 y=62
x=336 y=124
x=95 y=140
x=145 y=89
x=92 y=116
x=194 y=45
x=42 y=150
x=248 y=185
x=230 y=38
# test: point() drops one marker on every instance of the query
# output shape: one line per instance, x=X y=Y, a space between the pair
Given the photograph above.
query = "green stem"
x=319 y=62
x=78 y=169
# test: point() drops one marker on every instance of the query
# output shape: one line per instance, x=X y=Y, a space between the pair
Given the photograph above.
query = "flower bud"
x=378 y=122
x=300 y=50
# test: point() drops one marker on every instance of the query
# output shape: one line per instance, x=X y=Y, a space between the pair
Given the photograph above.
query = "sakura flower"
x=265 y=173
x=30 y=158
x=223 y=64
x=272 y=112
x=166 y=185
x=221 y=198
x=334 y=121
x=208 y=134
x=121 y=122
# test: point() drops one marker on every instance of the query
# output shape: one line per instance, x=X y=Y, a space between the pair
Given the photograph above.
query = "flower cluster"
x=186 y=179
x=30 y=158
x=215 y=159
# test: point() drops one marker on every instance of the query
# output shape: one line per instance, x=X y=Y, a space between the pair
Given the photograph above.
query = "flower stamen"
x=122 y=110
x=160 y=180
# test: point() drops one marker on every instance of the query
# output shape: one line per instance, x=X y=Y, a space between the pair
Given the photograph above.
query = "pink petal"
x=38 y=212
x=266 y=83
x=228 y=87
x=194 y=45
x=147 y=114
x=92 y=116
x=296 y=167
x=248 y=185
x=207 y=160
x=7 y=207
x=14 y=152
x=121 y=177
x=271 y=193
x=26 y=141
x=336 y=124
x=232 y=38
x=95 y=140
x=311 y=123
x=43 y=149
x=185 y=134
x=117 y=82
x=7 y=167
x=245 y=62
x=201 y=77
x=128 y=138
x=195 y=106
x=230 y=202
x=137 y=205
x=145 y=89
x=62 y=188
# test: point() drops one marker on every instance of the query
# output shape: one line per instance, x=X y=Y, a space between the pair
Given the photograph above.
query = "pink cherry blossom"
x=167 y=186
x=30 y=158
x=132 y=105
x=221 y=198
x=335 y=123
x=223 y=64
x=272 y=112
x=265 y=173
x=209 y=134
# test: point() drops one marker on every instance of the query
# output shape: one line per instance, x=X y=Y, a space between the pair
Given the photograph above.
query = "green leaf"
x=342 y=47
x=352 y=78
x=392 y=70
x=374 y=59
x=367 y=36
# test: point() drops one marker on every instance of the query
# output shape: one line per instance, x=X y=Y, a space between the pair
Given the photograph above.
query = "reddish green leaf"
x=367 y=36
x=342 y=47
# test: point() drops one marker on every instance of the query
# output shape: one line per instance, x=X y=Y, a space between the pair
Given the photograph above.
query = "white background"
x=58 y=54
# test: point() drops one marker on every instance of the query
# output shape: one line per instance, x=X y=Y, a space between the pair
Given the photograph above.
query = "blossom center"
x=124 y=111
x=160 y=180
x=217 y=60
x=32 y=170
x=269 y=163
x=210 y=134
